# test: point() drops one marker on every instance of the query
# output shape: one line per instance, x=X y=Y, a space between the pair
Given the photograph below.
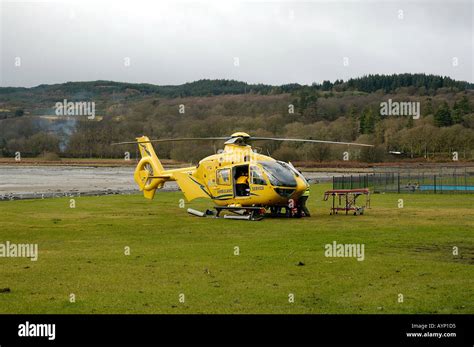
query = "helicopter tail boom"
x=151 y=175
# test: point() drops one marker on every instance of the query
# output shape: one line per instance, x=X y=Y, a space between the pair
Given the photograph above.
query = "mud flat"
x=37 y=182
x=23 y=182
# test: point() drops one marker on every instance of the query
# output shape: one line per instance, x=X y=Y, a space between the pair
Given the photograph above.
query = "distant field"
x=408 y=251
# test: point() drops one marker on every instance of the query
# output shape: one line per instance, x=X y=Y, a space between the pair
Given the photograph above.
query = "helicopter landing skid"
x=240 y=213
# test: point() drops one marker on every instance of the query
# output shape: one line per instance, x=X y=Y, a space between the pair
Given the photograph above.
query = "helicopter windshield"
x=279 y=173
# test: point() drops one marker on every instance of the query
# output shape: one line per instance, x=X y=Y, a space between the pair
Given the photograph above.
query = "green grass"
x=81 y=251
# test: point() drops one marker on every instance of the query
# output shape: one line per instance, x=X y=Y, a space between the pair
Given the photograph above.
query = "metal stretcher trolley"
x=346 y=200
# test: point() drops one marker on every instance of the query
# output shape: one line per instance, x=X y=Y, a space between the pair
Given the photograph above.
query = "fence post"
x=351 y=181
x=455 y=181
x=465 y=180
x=434 y=183
x=398 y=183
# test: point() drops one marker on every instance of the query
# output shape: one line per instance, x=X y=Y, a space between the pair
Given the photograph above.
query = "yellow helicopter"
x=237 y=178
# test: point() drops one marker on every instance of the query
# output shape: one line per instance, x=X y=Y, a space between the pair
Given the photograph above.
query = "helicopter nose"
x=293 y=192
x=301 y=186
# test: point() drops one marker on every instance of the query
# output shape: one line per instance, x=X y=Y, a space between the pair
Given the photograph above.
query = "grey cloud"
x=173 y=42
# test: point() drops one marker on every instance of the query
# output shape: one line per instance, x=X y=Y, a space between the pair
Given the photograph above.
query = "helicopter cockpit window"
x=223 y=176
x=279 y=174
x=256 y=176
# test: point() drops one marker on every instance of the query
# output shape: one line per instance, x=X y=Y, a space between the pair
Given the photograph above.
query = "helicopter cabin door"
x=223 y=189
x=258 y=184
x=241 y=181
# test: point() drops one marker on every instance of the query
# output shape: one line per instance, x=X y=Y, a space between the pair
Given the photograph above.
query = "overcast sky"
x=274 y=42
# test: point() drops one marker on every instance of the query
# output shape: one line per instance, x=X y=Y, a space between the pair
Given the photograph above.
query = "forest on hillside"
x=338 y=111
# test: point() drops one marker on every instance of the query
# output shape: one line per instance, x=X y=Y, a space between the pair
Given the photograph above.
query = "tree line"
x=328 y=111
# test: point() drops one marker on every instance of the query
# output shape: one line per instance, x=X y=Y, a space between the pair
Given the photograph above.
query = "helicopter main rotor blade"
x=307 y=140
x=173 y=140
x=244 y=140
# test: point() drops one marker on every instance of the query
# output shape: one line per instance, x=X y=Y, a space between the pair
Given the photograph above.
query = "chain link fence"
x=436 y=180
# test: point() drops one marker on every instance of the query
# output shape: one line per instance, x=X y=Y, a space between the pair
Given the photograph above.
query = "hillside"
x=341 y=111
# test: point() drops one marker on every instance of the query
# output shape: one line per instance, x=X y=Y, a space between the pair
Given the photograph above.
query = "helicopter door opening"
x=241 y=180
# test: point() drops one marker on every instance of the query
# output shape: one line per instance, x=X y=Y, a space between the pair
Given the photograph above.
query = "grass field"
x=408 y=251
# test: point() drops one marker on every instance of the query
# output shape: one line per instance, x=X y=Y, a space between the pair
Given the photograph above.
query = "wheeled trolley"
x=346 y=200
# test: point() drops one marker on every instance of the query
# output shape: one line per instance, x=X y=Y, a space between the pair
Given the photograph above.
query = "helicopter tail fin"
x=149 y=173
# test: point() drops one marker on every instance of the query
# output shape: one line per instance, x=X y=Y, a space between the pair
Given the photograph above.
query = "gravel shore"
x=36 y=182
